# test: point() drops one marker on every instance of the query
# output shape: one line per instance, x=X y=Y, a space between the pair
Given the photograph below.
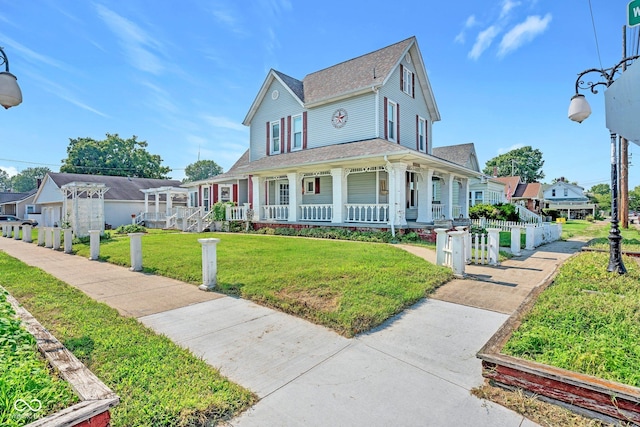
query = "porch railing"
x=438 y=212
x=275 y=212
x=457 y=211
x=236 y=213
x=373 y=213
x=316 y=212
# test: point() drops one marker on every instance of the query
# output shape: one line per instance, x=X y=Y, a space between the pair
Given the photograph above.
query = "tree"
x=601 y=195
x=524 y=162
x=600 y=189
x=634 y=199
x=27 y=180
x=5 y=181
x=113 y=156
x=202 y=169
x=563 y=179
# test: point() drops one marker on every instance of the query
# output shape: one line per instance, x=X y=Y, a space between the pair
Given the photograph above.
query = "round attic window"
x=275 y=94
x=407 y=58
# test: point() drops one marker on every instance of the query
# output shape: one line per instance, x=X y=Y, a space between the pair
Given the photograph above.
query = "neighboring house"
x=528 y=195
x=483 y=190
x=350 y=144
x=95 y=201
x=569 y=200
x=18 y=204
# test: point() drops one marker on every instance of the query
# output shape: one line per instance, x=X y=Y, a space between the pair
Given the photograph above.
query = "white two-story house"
x=348 y=145
x=569 y=200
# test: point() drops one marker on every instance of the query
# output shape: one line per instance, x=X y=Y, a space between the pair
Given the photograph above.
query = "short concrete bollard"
x=56 y=238
x=48 y=237
x=16 y=232
x=516 y=231
x=68 y=240
x=457 y=253
x=135 y=245
x=441 y=242
x=530 y=232
x=467 y=242
x=5 y=228
x=41 y=233
x=94 y=245
x=26 y=233
x=494 y=245
x=209 y=264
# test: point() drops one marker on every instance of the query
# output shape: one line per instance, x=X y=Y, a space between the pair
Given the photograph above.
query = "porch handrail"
x=236 y=213
x=275 y=212
x=438 y=212
x=526 y=215
x=316 y=212
x=367 y=212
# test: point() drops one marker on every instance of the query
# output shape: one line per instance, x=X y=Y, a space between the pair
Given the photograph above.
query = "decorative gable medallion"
x=339 y=118
x=407 y=58
x=275 y=94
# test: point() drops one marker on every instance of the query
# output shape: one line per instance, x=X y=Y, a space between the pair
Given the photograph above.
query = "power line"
x=595 y=35
x=104 y=168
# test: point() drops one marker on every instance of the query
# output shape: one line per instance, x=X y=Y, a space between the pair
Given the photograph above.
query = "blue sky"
x=182 y=75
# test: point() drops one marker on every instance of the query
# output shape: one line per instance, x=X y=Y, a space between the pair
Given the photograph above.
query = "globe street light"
x=579 y=110
x=10 y=94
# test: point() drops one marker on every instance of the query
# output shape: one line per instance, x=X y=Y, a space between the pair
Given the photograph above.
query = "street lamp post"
x=579 y=110
x=10 y=94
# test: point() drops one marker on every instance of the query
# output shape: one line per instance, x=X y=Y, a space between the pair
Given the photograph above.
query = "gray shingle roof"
x=295 y=85
x=120 y=187
x=14 y=197
x=459 y=154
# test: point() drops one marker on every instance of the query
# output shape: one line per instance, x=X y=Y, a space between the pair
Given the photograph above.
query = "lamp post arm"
x=4 y=60
x=606 y=74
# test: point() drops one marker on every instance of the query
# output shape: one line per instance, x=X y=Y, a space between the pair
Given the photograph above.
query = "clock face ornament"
x=339 y=118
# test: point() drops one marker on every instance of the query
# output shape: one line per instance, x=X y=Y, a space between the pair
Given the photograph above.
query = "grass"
x=350 y=287
x=159 y=383
x=598 y=233
x=588 y=321
x=26 y=375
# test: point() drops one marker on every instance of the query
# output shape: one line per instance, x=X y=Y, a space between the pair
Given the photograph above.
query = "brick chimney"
x=495 y=171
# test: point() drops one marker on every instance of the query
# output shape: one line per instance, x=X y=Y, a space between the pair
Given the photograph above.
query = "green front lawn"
x=159 y=383
x=347 y=286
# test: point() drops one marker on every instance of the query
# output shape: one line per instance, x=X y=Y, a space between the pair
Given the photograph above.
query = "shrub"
x=554 y=214
x=501 y=211
x=130 y=228
x=589 y=218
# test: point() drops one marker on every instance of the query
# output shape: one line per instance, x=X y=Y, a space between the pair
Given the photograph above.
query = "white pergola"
x=83 y=206
x=169 y=192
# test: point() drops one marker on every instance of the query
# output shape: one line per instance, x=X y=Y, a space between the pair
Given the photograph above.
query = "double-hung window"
x=275 y=137
x=392 y=121
x=296 y=132
x=422 y=135
x=407 y=81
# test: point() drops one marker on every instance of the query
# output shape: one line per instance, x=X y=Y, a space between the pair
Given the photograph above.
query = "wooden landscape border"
x=582 y=393
x=96 y=399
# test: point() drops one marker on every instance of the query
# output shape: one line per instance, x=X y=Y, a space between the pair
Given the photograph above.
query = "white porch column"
x=449 y=207
x=258 y=185
x=397 y=193
x=465 y=198
x=157 y=197
x=294 y=196
x=169 y=203
x=339 y=187
x=424 y=196
x=146 y=202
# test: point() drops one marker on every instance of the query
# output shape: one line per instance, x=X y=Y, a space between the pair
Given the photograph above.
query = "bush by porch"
x=350 y=287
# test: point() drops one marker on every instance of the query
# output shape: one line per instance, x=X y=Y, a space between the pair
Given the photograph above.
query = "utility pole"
x=624 y=155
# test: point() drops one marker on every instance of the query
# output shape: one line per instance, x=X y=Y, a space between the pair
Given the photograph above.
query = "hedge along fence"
x=96 y=399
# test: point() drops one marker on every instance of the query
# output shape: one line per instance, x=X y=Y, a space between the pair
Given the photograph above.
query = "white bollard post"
x=441 y=242
x=41 y=234
x=494 y=245
x=135 y=247
x=515 y=240
x=16 y=232
x=209 y=264
x=4 y=230
x=530 y=231
x=48 y=237
x=56 y=238
x=457 y=253
x=26 y=233
x=68 y=240
x=467 y=243
x=94 y=244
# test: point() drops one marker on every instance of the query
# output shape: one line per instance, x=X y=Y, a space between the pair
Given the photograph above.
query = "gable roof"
x=358 y=75
x=510 y=184
x=7 y=197
x=461 y=154
x=531 y=190
x=120 y=187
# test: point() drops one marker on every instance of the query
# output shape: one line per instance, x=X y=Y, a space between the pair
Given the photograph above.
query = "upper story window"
x=392 y=121
x=407 y=81
x=422 y=134
x=275 y=137
x=553 y=193
x=296 y=133
x=566 y=192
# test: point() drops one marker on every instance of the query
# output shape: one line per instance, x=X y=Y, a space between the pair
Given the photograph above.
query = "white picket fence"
x=502 y=225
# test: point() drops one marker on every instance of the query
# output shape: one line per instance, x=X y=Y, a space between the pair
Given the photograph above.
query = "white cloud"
x=225 y=123
x=138 y=45
x=506 y=150
x=10 y=170
x=30 y=55
x=227 y=18
x=507 y=5
x=470 y=22
x=523 y=33
x=483 y=41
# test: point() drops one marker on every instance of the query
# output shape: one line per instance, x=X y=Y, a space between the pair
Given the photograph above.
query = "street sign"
x=633 y=16
x=622 y=104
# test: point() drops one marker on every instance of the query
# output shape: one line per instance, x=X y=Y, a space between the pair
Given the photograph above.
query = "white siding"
x=119 y=213
x=361 y=188
x=324 y=197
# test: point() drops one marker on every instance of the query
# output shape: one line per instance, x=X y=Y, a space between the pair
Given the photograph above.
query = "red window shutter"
x=304 y=130
x=417 y=132
x=250 y=190
x=288 y=134
x=268 y=142
x=413 y=85
x=317 y=185
x=235 y=193
x=214 y=190
x=401 y=77
x=386 y=125
x=398 y=123
x=282 y=140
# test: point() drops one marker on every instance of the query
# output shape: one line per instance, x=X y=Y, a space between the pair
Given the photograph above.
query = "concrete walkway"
x=416 y=370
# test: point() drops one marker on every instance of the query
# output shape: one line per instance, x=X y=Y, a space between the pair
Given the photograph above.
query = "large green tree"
x=202 y=169
x=5 y=181
x=113 y=156
x=524 y=162
x=27 y=180
x=634 y=199
x=601 y=194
